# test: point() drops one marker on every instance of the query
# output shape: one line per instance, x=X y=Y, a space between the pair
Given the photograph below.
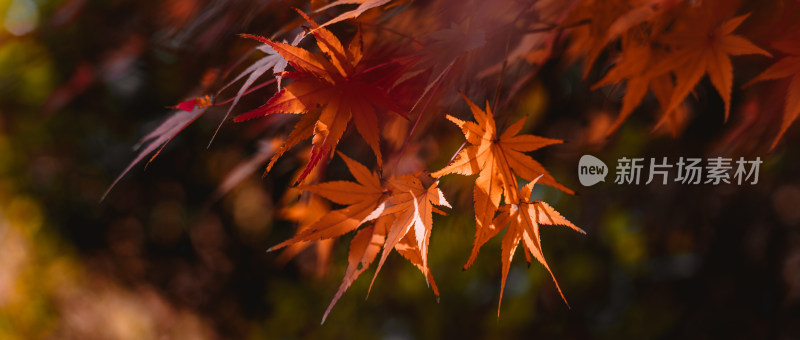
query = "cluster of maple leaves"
x=391 y=84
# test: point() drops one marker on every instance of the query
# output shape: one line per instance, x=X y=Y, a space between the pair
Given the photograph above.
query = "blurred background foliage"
x=82 y=80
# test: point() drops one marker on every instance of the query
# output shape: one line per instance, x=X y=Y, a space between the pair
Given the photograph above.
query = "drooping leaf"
x=272 y=61
x=786 y=67
x=363 y=6
x=411 y=205
x=157 y=139
x=363 y=249
x=590 y=22
x=522 y=220
x=245 y=168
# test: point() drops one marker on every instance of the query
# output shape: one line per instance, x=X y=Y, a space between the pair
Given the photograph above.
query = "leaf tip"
x=775 y=142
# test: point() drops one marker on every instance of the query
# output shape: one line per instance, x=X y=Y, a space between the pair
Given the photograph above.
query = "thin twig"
x=402 y=35
x=551 y=27
x=419 y=116
x=502 y=73
x=250 y=90
x=457 y=151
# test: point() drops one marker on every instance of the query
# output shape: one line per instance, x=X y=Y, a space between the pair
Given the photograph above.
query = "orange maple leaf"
x=636 y=59
x=365 y=247
x=410 y=205
x=340 y=85
x=398 y=206
x=523 y=219
x=787 y=67
x=496 y=157
x=700 y=47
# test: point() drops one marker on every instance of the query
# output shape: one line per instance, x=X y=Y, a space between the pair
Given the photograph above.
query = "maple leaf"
x=364 y=247
x=689 y=50
x=636 y=59
x=363 y=6
x=155 y=141
x=272 y=61
x=641 y=11
x=339 y=85
x=403 y=205
x=700 y=47
x=496 y=158
x=191 y=104
x=639 y=22
x=360 y=199
x=671 y=122
x=410 y=204
x=588 y=40
x=786 y=67
x=522 y=219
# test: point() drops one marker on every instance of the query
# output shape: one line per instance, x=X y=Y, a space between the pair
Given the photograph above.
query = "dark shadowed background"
x=82 y=81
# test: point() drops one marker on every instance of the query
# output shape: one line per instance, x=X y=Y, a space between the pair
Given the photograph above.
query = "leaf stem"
x=249 y=91
x=502 y=73
x=402 y=35
x=551 y=27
